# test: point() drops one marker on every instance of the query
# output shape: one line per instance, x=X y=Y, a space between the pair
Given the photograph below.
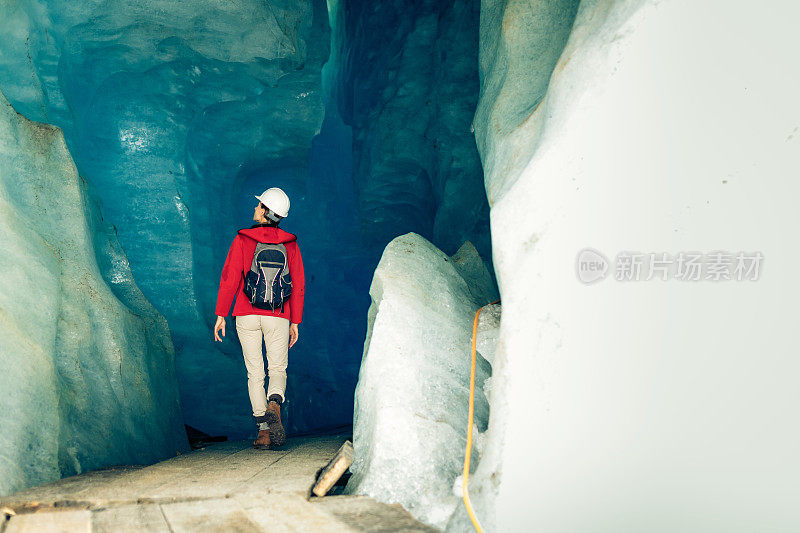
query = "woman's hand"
x=220 y=325
x=293 y=334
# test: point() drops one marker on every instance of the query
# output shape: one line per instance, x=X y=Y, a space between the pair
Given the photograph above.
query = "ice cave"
x=440 y=155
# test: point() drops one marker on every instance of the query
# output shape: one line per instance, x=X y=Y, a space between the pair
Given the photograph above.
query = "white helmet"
x=276 y=200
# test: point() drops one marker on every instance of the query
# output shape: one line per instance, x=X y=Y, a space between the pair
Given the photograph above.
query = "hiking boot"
x=273 y=414
x=262 y=442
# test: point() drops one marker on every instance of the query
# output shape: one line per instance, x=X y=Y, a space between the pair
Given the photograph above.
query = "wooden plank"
x=296 y=471
x=362 y=513
x=72 y=521
x=145 y=483
x=334 y=469
x=220 y=478
x=290 y=468
x=123 y=484
x=217 y=515
x=66 y=488
x=144 y=518
x=288 y=513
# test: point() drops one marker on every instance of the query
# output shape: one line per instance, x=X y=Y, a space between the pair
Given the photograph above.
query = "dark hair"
x=269 y=221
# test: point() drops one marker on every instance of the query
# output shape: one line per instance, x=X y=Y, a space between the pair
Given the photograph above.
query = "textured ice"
x=412 y=393
x=412 y=82
x=88 y=374
x=489 y=331
x=520 y=43
x=647 y=406
x=471 y=266
x=177 y=113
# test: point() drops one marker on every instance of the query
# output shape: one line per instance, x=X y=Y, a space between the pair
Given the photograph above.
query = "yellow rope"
x=470 y=416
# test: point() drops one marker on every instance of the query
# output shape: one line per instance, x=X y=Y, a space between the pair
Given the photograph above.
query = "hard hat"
x=276 y=200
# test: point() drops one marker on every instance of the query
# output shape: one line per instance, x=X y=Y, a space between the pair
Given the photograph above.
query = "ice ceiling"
x=178 y=112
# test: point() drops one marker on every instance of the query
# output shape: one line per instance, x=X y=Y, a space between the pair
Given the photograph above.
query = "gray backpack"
x=268 y=283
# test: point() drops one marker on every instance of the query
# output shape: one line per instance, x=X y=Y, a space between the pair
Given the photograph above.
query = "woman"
x=275 y=322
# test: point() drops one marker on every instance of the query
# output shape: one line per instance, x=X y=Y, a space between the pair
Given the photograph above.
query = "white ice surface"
x=412 y=393
x=655 y=406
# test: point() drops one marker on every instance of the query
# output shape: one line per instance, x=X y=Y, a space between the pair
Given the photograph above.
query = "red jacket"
x=240 y=257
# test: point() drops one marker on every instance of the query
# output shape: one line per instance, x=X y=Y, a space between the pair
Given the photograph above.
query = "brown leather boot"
x=262 y=442
x=273 y=414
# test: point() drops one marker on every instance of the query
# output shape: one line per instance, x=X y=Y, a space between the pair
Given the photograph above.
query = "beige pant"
x=275 y=332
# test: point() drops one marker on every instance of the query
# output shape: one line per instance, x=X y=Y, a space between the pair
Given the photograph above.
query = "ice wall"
x=177 y=112
x=412 y=395
x=642 y=405
x=88 y=374
x=520 y=42
x=410 y=85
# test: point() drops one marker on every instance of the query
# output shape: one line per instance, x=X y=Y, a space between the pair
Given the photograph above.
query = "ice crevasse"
x=618 y=125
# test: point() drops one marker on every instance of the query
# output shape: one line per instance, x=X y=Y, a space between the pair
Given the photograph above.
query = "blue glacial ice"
x=412 y=93
x=88 y=374
x=178 y=112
